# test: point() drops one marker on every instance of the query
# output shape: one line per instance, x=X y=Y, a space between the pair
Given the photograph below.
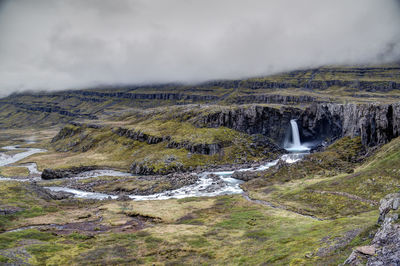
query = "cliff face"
x=375 y=124
x=276 y=99
x=201 y=148
x=270 y=122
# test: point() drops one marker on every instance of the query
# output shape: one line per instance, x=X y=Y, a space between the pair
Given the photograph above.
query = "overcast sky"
x=58 y=44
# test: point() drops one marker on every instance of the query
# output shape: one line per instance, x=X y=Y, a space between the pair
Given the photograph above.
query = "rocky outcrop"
x=385 y=247
x=200 y=148
x=376 y=124
x=149 y=96
x=59 y=195
x=275 y=99
x=9 y=210
x=245 y=175
x=140 y=136
x=45 y=108
x=72 y=129
x=369 y=86
x=66 y=132
x=142 y=168
x=48 y=174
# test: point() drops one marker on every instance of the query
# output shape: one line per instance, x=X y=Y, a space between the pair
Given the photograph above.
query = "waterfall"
x=295 y=133
x=296 y=146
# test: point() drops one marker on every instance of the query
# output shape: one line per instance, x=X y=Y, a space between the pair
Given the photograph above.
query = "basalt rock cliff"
x=256 y=119
x=376 y=124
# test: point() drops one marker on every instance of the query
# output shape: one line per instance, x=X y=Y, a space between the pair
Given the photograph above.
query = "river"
x=206 y=186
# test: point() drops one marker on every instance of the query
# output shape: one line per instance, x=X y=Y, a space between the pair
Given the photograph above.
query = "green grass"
x=313 y=186
x=11 y=171
x=233 y=231
x=102 y=147
x=230 y=230
x=8 y=240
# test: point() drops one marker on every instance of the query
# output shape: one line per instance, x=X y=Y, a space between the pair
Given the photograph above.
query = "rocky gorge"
x=376 y=124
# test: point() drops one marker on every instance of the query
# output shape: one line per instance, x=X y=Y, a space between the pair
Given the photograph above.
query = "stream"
x=205 y=186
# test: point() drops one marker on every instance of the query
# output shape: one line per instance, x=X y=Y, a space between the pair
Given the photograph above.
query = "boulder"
x=245 y=175
x=367 y=250
x=7 y=210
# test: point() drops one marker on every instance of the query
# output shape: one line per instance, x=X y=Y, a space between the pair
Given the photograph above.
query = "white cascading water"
x=296 y=146
x=295 y=133
x=204 y=187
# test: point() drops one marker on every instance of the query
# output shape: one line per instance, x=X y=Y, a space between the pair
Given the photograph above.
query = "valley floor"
x=312 y=216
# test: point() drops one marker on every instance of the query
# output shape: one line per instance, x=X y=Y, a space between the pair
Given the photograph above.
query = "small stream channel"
x=206 y=185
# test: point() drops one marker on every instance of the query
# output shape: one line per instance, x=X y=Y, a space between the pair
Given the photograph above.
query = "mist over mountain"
x=56 y=45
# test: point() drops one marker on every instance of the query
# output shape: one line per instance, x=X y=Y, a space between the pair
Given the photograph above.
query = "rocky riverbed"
x=92 y=183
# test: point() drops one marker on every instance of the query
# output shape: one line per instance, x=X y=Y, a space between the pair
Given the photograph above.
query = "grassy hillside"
x=222 y=230
x=84 y=146
x=341 y=186
x=325 y=184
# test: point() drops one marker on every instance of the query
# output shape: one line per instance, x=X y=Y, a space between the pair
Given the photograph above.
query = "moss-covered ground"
x=325 y=185
x=220 y=230
x=84 y=146
x=8 y=171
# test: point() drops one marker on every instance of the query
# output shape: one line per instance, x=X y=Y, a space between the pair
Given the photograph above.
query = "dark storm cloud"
x=58 y=44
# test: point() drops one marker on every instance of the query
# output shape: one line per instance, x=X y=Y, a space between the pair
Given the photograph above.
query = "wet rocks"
x=178 y=180
x=262 y=142
x=245 y=175
x=47 y=194
x=48 y=174
x=123 y=198
x=215 y=185
x=59 y=195
x=143 y=185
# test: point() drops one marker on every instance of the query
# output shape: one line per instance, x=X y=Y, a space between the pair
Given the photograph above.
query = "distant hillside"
x=298 y=88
